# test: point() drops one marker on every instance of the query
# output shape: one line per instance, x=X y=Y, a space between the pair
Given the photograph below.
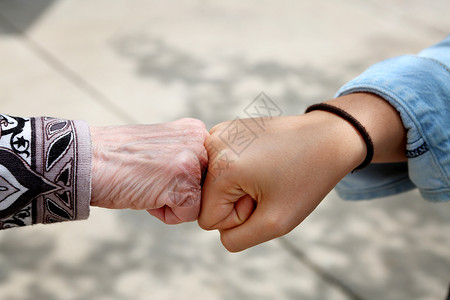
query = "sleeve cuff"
x=419 y=88
x=45 y=171
x=63 y=156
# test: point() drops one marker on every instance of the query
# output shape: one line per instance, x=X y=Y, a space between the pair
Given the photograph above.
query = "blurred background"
x=147 y=61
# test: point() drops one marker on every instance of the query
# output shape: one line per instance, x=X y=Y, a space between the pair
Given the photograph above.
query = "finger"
x=261 y=227
x=217 y=202
x=186 y=214
x=165 y=214
x=180 y=206
x=157 y=213
x=242 y=210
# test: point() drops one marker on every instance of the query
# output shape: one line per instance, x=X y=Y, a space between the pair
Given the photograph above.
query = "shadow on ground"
x=214 y=96
x=30 y=13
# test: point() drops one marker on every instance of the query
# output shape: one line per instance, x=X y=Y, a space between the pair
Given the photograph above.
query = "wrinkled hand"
x=278 y=180
x=154 y=167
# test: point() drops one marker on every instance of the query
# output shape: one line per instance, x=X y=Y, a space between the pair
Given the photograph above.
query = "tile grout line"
x=327 y=277
x=68 y=73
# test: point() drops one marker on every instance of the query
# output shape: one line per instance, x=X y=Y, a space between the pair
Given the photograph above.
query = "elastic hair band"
x=349 y=118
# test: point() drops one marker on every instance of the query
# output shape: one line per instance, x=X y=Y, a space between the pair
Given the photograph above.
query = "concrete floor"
x=147 y=61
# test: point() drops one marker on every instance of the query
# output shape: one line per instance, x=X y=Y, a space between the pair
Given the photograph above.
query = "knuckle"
x=213 y=141
x=218 y=127
x=199 y=135
x=222 y=162
x=185 y=160
x=186 y=168
x=195 y=128
x=192 y=122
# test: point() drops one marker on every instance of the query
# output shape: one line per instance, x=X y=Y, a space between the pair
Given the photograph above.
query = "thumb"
x=260 y=227
x=224 y=204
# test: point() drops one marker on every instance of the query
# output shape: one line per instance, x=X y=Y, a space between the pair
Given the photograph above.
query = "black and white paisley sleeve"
x=45 y=170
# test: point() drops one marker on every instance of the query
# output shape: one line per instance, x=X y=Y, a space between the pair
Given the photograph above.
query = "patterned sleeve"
x=45 y=171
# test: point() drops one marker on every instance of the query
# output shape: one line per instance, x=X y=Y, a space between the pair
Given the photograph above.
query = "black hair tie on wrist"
x=349 y=118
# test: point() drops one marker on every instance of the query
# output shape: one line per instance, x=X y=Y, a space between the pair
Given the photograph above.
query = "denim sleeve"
x=45 y=171
x=418 y=86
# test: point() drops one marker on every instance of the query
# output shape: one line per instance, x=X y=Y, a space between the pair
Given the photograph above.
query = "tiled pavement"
x=142 y=61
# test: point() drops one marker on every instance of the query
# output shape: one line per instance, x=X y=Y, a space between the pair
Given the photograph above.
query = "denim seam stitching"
x=434 y=61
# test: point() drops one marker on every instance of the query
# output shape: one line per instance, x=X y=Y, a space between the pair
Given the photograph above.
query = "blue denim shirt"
x=418 y=86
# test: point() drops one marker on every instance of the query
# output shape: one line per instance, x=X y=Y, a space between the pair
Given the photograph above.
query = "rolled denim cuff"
x=419 y=88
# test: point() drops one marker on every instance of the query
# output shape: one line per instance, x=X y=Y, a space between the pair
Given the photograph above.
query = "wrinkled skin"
x=155 y=167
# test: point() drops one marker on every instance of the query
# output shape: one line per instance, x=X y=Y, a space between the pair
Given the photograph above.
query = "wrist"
x=346 y=149
x=356 y=125
x=382 y=122
x=98 y=157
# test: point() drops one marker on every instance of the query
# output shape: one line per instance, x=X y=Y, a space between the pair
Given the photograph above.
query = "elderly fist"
x=154 y=167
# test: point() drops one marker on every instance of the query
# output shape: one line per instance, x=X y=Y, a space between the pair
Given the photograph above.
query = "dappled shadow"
x=214 y=96
x=371 y=246
x=381 y=245
x=146 y=259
